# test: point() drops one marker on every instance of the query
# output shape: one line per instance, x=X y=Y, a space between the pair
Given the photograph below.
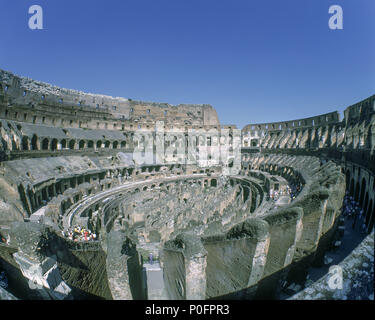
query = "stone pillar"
x=32 y=199
x=187 y=255
x=35 y=197
x=195 y=267
x=28 y=203
x=47 y=193
x=118 y=263
x=314 y=210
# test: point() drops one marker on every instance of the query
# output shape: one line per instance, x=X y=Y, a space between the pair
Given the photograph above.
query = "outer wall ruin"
x=66 y=159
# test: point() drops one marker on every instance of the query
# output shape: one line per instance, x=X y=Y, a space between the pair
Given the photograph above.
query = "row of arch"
x=308 y=138
x=35 y=199
x=36 y=143
x=148 y=186
x=53 y=144
x=363 y=191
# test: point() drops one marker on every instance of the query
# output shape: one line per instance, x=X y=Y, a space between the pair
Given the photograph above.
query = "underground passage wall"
x=250 y=260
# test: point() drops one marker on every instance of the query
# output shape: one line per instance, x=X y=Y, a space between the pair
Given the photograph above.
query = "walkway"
x=155 y=281
x=350 y=240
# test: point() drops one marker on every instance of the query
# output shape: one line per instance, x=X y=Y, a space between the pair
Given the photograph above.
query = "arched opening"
x=14 y=145
x=34 y=142
x=72 y=182
x=115 y=144
x=90 y=144
x=54 y=144
x=351 y=188
x=347 y=178
x=246 y=193
x=81 y=144
x=63 y=144
x=72 y=144
x=44 y=194
x=230 y=163
x=45 y=144
x=99 y=144
x=363 y=189
x=356 y=194
x=50 y=191
x=107 y=144
x=365 y=205
x=25 y=143
x=123 y=144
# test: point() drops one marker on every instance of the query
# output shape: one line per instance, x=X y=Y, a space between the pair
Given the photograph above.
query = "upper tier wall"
x=48 y=100
x=356 y=131
x=327 y=118
x=360 y=111
x=355 y=113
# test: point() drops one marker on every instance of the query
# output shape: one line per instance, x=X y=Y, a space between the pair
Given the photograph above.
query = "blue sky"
x=254 y=61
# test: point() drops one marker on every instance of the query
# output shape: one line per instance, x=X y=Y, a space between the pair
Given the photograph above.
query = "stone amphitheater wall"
x=41 y=103
x=67 y=152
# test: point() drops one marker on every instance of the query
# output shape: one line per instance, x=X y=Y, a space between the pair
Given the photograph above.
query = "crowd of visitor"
x=293 y=190
x=351 y=210
x=79 y=233
x=290 y=190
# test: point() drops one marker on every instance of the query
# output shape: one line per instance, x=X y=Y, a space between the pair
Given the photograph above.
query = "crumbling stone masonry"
x=68 y=158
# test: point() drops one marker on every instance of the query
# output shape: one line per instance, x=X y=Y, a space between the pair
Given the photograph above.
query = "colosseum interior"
x=107 y=198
